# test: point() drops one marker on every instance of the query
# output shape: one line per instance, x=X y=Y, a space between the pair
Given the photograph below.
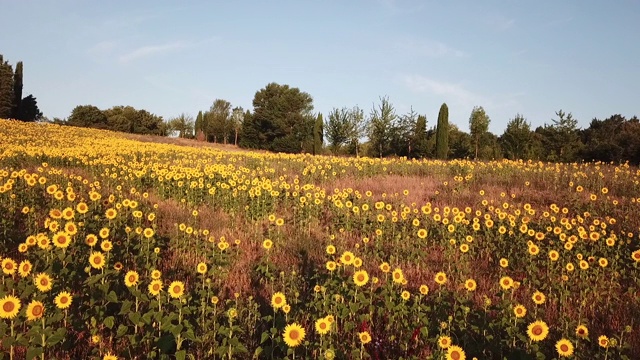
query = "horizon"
x=170 y=59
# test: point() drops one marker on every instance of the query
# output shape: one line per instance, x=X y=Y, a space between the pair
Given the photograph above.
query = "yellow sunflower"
x=61 y=240
x=35 y=310
x=43 y=282
x=109 y=356
x=331 y=249
x=385 y=267
x=537 y=330
x=365 y=337
x=63 y=300
x=278 y=300
x=455 y=352
x=582 y=331
x=520 y=311
x=9 y=266
x=424 y=289
x=323 y=326
x=176 y=289
x=9 y=307
x=361 y=277
x=470 y=285
x=156 y=274
x=155 y=287
x=96 y=259
x=405 y=295
x=397 y=275
x=504 y=263
x=538 y=298
x=25 y=268
x=106 y=245
x=441 y=278
x=131 y=278
x=444 y=341
x=201 y=268
x=564 y=348
x=603 y=341
x=347 y=258
x=267 y=244
x=91 y=240
x=331 y=265
x=506 y=282
x=293 y=335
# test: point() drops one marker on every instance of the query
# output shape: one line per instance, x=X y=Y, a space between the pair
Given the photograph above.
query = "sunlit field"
x=113 y=247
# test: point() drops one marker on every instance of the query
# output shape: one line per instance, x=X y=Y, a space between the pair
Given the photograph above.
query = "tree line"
x=12 y=104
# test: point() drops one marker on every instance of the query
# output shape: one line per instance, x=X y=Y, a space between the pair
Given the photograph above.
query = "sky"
x=171 y=57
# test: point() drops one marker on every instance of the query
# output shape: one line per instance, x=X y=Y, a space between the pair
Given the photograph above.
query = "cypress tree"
x=6 y=89
x=318 y=135
x=420 y=138
x=442 y=133
x=17 y=92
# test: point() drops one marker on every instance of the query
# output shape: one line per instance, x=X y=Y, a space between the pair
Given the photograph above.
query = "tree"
x=17 y=95
x=357 y=129
x=478 y=126
x=29 y=109
x=198 y=126
x=442 y=133
x=237 y=117
x=381 y=123
x=249 y=133
x=281 y=121
x=6 y=89
x=402 y=133
x=517 y=139
x=420 y=138
x=561 y=139
x=318 y=135
x=183 y=124
x=337 y=128
x=88 y=116
x=218 y=120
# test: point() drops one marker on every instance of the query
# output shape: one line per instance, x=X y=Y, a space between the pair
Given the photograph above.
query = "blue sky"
x=169 y=57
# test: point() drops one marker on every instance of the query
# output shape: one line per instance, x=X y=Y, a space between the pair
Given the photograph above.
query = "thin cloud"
x=456 y=92
x=429 y=48
x=149 y=50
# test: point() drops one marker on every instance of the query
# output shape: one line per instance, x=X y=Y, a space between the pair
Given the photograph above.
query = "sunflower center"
x=97 y=260
x=278 y=300
x=8 y=306
x=64 y=300
x=37 y=310
x=360 y=277
x=323 y=325
x=564 y=347
x=537 y=330
x=294 y=334
x=176 y=289
x=455 y=355
x=156 y=287
x=132 y=278
x=9 y=266
x=44 y=282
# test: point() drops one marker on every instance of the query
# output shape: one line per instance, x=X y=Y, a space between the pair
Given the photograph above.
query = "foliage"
x=6 y=89
x=478 y=126
x=318 y=135
x=517 y=139
x=381 y=128
x=183 y=124
x=420 y=138
x=442 y=133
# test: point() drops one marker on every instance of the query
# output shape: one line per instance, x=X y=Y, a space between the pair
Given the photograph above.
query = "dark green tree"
x=88 y=116
x=402 y=134
x=249 y=132
x=381 y=124
x=478 y=126
x=420 y=138
x=198 y=123
x=281 y=121
x=219 y=121
x=29 y=109
x=337 y=128
x=561 y=140
x=183 y=124
x=517 y=140
x=460 y=144
x=357 y=129
x=6 y=89
x=17 y=94
x=318 y=135
x=442 y=133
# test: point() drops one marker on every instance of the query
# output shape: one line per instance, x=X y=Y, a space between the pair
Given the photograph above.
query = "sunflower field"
x=113 y=247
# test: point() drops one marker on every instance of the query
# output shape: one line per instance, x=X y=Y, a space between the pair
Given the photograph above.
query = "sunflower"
x=553 y=255
x=506 y=282
x=109 y=356
x=455 y=352
x=23 y=248
x=323 y=326
x=9 y=307
x=424 y=289
x=63 y=300
x=286 y=308
x=201 y=268
x=564 y=348
x=357 y=262
x=25 y=268
x=329 y=354
x=35 y=310
x=635 y=255
x=422 y=233
x=82 y=208
x=176 y=289
x=361 y=277
x=131 y=278
x=148 y=233
x=538 y=298
x=278 y=300
x=365 y=337
x=537 y=330
x=444 y=341
x=331 y=265
x=9 y=266
x=156 y=274
x=603 y=341
x=347 y=258
x=293 y=335
x=441 y=278
x=267 y=244
x=71 y=228
x=91 y=240
x=110 y=213
x=405 y=295
x=43 y=282
x=582 y=331
x=155 y=287
x=584 y=265
x=96 y=259
x=520 y=311
x=104 y=233
x=106 y=245
x=470 y=285
x=384 y=267
x=331 y=249
x=398 y=276
x=61 y=240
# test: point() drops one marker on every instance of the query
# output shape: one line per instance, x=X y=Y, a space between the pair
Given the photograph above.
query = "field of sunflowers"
x=115 y=248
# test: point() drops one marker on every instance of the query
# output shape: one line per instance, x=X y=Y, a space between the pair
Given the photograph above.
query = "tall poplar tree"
x=6 y=89
x=17 y=92
x=442 y=133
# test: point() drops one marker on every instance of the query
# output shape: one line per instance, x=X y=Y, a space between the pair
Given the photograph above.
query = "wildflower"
x=537 y=330
x=293 y=335
x=63 y=300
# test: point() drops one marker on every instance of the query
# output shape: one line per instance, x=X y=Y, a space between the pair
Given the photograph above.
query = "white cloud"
x=429 y=48
x=148 y=50
x=452 y=92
